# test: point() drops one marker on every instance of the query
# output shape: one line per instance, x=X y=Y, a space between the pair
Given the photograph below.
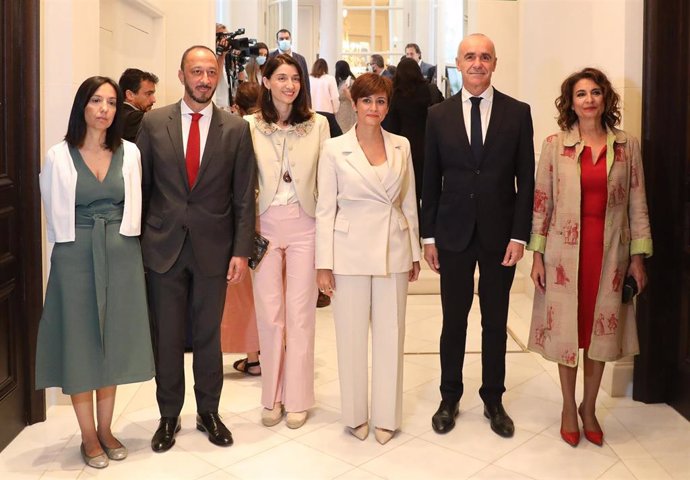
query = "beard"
x=199 y=97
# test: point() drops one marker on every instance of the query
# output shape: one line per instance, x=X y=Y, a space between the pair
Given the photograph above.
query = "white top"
x=381 y=170
x=286 y=193
x=324 y=93
x=204 y=125
x=58 y=182
x=484 y=110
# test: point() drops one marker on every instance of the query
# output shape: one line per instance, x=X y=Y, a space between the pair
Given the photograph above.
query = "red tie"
x=193 y=147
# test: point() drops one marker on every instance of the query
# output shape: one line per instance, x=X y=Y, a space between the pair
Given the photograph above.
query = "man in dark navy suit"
x=476 y=208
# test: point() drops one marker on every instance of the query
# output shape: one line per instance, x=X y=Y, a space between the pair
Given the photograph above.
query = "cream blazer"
x=58 y=182
x=365 y=226
x=304 y=143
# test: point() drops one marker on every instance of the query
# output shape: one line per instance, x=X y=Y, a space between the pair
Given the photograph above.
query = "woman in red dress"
x=590 y=222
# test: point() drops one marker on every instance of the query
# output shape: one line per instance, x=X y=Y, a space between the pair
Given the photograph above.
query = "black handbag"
x=260 y=248
x=629 y=288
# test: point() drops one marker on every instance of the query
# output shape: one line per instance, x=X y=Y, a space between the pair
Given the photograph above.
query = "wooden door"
x=662 y=370
x=20 y=221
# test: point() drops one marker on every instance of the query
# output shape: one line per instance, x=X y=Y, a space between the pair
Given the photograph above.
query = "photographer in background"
x=223 y=94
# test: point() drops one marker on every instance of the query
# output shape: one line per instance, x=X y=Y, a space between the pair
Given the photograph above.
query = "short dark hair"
x=564 y=103
x=368 y=84
x=319 y=68
x=194 y=47
x=283 y=30
x=300 y=107
x=260 y=45
x=378 y=60
x=247 y=96
x=415 y=46
x=131 y=80
x=76 y=127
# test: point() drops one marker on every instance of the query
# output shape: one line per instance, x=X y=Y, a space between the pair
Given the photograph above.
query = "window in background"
x=372 y=26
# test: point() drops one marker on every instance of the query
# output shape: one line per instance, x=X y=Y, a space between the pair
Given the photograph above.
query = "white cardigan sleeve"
x=131 y=174
x=58 y=183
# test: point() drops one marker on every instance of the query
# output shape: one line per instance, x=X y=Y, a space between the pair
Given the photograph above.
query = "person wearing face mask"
x=284 y=40
x=255 y=65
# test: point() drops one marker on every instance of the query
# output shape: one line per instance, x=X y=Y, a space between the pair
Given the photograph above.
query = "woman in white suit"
x=367 y=250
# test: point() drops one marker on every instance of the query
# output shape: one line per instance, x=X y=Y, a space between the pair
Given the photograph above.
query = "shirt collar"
x=132 y=105
x=487 y=95
x=206 y=112
x=572 y=136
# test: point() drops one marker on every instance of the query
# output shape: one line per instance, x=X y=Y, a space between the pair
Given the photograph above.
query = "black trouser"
x=457 y=292
x=182 y=292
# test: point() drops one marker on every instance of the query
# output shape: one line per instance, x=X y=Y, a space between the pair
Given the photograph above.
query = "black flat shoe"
x=164 y=438
x=443 y=420
x=218 y=433
x=501 y=423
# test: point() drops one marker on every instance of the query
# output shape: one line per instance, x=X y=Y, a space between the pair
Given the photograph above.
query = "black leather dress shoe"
x=443 y=420
x=164 y=438
x=218 y=433
x=501 y=423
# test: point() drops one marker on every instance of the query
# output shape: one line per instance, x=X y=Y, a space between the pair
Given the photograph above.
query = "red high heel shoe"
x=571 y=438
x=597 y=438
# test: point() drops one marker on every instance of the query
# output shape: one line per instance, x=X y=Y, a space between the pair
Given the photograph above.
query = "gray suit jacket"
x=218 y=214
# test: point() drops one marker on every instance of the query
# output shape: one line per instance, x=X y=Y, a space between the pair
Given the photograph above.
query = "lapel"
x=214 y=131
x=497 y=115
x=457 y=107
x=395 y=161
x=354 y=155
x=174 y=128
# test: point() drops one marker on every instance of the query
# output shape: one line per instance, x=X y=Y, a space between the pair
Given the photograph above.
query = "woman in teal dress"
x=94 y=333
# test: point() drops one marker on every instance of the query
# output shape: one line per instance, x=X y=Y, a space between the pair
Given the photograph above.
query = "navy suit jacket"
x=492 y=195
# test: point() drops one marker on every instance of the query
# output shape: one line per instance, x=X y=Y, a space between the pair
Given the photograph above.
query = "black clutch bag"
x=260 y=247
x=629 y=289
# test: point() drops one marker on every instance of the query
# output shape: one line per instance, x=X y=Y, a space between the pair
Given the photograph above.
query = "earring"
x=269 y=96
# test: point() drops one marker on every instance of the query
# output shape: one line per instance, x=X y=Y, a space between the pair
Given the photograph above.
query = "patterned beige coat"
x=555 y=233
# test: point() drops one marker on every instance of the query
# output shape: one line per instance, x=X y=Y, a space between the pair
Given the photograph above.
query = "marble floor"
x=641 y=442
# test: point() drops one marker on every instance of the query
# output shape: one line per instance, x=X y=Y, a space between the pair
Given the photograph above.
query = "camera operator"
x=223 y=93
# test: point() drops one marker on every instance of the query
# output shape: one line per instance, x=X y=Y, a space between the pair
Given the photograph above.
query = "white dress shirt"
x=286 y=193
x=485 y=113
x=204 y=125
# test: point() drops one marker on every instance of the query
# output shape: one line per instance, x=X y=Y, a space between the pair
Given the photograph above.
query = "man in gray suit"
x=199 y=174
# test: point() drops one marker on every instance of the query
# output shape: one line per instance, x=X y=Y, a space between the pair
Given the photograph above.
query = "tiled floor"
x=642 y=441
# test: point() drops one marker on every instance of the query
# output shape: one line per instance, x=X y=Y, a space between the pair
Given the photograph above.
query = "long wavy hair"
x=564 y=103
